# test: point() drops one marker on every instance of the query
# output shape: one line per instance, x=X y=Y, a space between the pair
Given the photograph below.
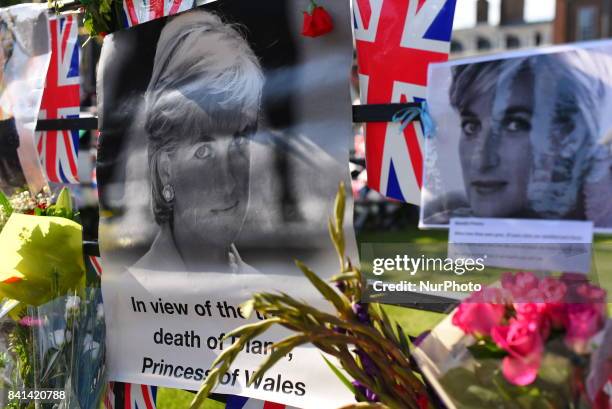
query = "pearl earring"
x=168 y=193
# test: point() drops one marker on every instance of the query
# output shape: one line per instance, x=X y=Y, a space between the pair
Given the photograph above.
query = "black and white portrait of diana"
x=208 y=160
x=525 y=137
x=201 y=110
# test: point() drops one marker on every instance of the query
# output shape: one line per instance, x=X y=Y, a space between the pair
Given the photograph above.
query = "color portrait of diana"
x=201 y=111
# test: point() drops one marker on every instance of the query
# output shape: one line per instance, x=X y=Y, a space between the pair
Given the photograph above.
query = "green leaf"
x=329 y=293
x=64 y=201
x=340 y=375
x=4 y=202
x=253 y=329
x=403 y=341
x=211 y=381
x=339 y=207
x=486 y=350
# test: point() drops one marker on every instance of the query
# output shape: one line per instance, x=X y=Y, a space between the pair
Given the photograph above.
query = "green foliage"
x=5 y=203
x=62 y=207
x=486 y=349
x=100 y=17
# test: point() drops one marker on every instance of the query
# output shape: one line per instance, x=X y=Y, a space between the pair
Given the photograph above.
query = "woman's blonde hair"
x=205 y=78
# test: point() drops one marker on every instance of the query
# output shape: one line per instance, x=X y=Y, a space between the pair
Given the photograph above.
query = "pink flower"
x=583 y=322
x=480 y=312
x=524 y=286
x=28 y=321
x=534 y=312
x=554 y=292
x=591 y=294
x=572 y=281
x=522 y=340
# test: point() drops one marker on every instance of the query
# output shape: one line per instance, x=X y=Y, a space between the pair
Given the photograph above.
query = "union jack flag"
x=140 y=11
x=396 y=41
x=58 y=149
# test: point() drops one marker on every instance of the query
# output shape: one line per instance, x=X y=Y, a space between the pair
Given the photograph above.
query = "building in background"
x=513 y=32
x=582 y=20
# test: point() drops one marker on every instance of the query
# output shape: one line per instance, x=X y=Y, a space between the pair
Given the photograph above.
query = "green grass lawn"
x=177 y=399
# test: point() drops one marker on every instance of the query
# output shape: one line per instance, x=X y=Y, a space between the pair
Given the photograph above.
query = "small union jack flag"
x=58 y=149
x=396 y=41
x=130 y=396
x=96 y=265
x=140 y=11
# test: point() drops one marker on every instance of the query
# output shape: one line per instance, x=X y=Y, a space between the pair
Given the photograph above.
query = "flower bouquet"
x=373 y=351
x=51 y=327
x=529 y=343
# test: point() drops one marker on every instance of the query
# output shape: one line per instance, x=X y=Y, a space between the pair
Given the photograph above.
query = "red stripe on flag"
x=127 y=398
x=156 y=9
x=51 y=156
x=272 y=405
x=131 y=12
x=421 y=2
x=96 y=264
x=374 y=152
x=175 y=6
x=68 y=145
x=146 y=396
x=365 y=11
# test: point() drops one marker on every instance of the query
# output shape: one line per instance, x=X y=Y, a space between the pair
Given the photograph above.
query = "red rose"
x=317 y=23
x=583 y=322
x=480 y=312
x=522 y=340
x=534 y=312
x=554 y=292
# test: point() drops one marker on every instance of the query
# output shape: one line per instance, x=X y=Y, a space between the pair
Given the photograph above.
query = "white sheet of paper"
x=541 y=245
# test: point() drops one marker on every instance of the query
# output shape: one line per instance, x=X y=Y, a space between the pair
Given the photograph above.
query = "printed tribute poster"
x=24 y=60
x=224 y=137
x=526 y=135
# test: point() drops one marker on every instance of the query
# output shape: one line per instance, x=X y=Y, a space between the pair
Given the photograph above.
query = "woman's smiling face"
x=211 y=182
x=495 y=147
